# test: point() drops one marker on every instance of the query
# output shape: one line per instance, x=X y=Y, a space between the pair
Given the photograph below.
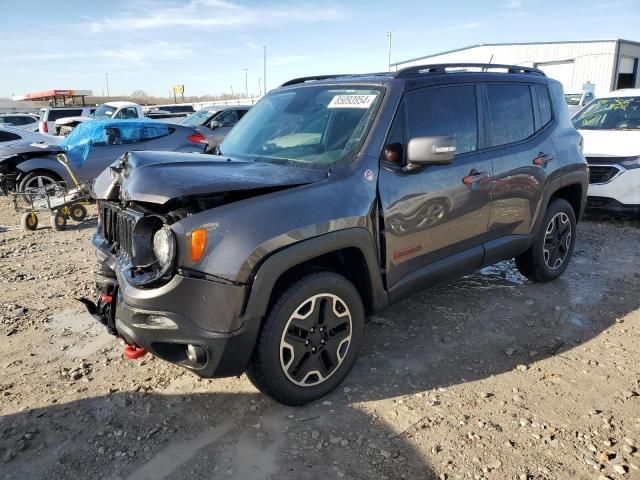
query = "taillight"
x=43 y=127
x=197 y=138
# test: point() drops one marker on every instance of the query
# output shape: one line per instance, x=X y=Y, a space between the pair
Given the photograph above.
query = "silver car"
x=215 y=122
x=24 y=121
x=93 y=146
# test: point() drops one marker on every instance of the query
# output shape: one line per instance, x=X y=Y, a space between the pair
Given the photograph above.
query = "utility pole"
x=259 y=86
x=389 y=51
x=231 y=91
x=264 y=67
x=246 y=83
x=106 y=77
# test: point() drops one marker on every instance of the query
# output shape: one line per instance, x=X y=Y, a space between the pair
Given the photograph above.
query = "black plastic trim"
x=443 y=270
x=278 y=263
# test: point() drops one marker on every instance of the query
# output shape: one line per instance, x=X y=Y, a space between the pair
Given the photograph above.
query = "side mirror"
x=214 y=124
x=429 y=151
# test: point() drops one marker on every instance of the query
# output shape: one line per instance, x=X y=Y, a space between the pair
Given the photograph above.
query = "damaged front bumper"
x=192 y=322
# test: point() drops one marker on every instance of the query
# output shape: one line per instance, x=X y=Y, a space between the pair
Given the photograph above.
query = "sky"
x=206 y=44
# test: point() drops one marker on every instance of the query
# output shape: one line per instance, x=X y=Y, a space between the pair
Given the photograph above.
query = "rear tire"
x=309 y=340
x=551 y=252
x=30 y=180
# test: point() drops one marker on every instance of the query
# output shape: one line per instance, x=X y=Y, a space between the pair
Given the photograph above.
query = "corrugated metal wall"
x=592 y=61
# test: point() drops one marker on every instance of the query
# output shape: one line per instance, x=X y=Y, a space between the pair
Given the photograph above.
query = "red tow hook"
x=106 y=298
x=134 y=352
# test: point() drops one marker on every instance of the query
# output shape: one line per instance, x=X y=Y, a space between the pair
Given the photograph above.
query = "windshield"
x=573 y=98
x=620 y=113
x=104 y=111
x=197 y=119
x=315 y=127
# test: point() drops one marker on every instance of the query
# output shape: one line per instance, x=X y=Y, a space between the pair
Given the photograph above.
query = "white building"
x=608 y=64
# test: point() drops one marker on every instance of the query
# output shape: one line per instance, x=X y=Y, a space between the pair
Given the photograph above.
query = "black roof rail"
x=342 y=75
x=442 y=68
x=311 y=79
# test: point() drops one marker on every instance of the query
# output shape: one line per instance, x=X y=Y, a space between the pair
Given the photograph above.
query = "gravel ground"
x=490 y=376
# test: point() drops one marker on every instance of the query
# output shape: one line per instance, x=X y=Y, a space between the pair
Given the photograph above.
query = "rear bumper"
x=186 y=311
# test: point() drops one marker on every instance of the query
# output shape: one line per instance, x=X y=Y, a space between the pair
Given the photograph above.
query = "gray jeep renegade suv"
x=334 y=197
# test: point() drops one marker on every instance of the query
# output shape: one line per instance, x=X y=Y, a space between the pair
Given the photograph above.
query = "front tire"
x=549 y=256
x=309 y=340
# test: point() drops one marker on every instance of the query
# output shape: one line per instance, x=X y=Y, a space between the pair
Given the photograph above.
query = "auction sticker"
x=352 y=101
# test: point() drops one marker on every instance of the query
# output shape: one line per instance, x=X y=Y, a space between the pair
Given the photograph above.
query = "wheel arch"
x=572 y=193
x=43 y=165
x=350 y=252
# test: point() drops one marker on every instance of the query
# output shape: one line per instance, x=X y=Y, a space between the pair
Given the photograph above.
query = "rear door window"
x=450 y=111
x=511 y=113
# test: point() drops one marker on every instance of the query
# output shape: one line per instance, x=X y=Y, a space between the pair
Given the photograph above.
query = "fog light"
x=157 y=321
x=196 y=354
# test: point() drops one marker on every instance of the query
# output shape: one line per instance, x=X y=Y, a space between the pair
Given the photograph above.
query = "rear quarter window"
x=56 y=114
x=8 y=136
x=544 y=104
x=511 y=113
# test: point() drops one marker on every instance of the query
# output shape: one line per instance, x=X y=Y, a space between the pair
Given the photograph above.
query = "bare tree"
x=139 y=94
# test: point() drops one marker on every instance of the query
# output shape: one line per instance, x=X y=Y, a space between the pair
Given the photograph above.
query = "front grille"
x=117 y=228
x=601 y=173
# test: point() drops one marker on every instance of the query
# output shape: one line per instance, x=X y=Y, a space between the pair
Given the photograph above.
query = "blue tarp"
x=96 y=133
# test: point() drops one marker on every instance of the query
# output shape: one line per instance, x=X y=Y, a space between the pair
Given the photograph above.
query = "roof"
x=121 y=104
x=48 y=94
x=509 y=44
x=623 y=92
x=418 y=70
x=18 y=114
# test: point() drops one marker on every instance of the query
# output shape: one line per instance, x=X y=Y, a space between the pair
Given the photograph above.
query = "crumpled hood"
x=157 y=177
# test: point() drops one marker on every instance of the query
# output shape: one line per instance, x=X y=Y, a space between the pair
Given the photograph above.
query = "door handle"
x=476 y=177
x=542 y=159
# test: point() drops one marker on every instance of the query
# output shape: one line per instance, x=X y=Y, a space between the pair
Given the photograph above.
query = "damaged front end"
x=151 y=291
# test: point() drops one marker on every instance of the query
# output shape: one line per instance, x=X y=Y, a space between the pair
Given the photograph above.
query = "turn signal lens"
x=198 y=243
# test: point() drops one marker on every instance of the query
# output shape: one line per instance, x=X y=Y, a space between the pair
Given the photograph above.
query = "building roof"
x=509 y=44
x=49 y=94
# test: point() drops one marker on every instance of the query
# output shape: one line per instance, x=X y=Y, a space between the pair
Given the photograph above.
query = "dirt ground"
x=489 y=376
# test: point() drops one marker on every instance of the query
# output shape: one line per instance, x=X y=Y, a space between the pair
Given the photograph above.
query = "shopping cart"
x=60 y=199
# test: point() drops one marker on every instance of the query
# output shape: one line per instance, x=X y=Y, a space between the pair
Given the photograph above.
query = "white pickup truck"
x=115 y=110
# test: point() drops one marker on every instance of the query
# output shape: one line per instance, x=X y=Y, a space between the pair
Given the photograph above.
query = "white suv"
x=610 y=126
x=49 y=115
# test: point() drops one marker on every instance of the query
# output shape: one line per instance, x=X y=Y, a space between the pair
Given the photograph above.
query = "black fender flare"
x=572 y=177
x=292 y=255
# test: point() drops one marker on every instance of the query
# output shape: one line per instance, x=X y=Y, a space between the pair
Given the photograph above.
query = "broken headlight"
x=164 y=246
